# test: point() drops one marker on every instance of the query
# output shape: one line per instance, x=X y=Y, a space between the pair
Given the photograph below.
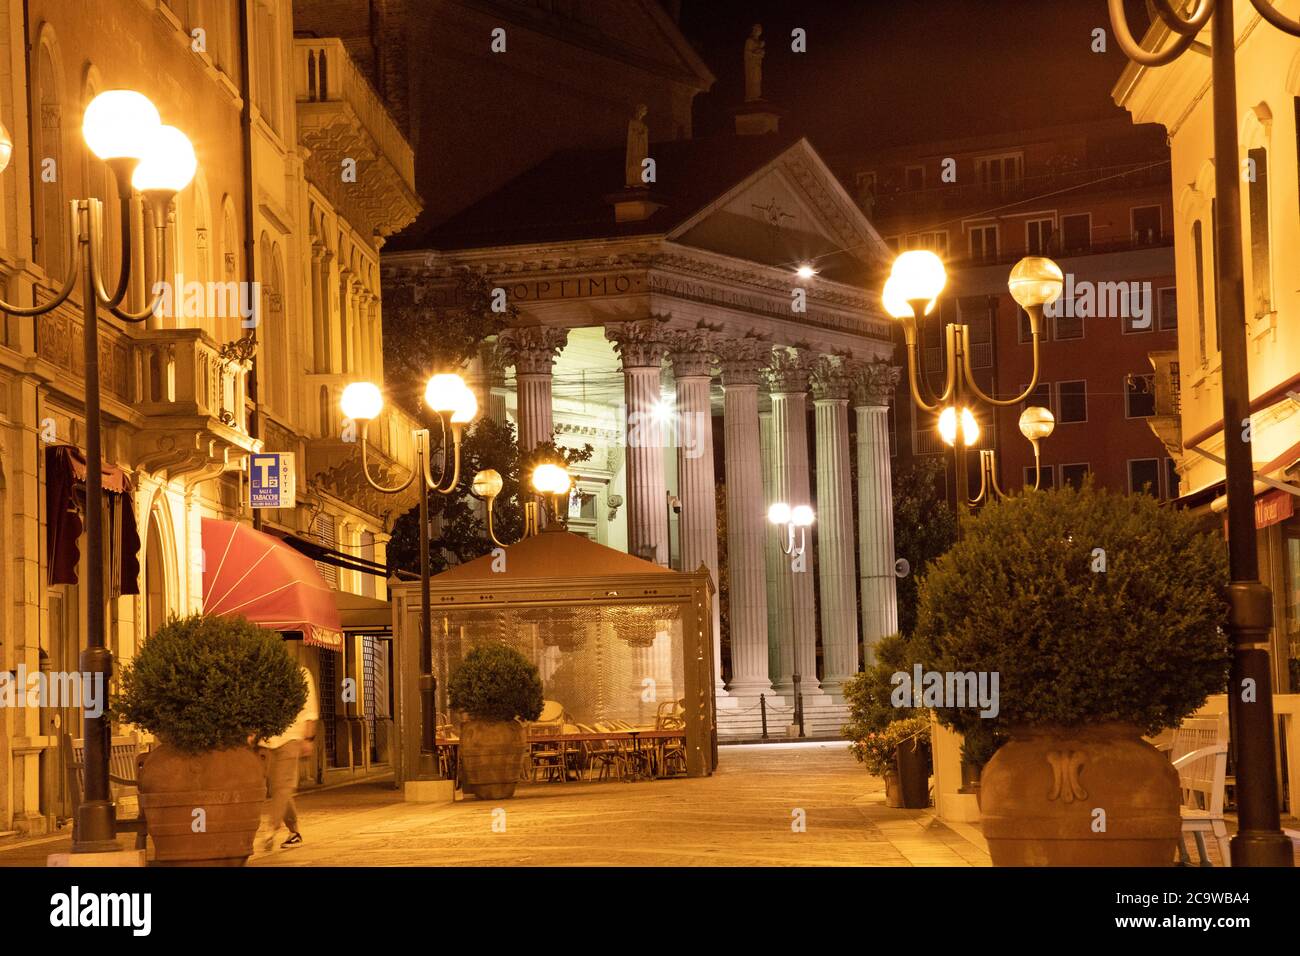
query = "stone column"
x=494 y=383
x=640 y=346
x=743 y=362
x=532 y=349
x=797 y=608
x=691 y=354
x=320 y=313
x=773 y=561
x=873 y=387
x=838 y=612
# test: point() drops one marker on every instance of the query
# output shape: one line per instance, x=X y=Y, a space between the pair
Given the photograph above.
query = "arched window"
x=51 y=239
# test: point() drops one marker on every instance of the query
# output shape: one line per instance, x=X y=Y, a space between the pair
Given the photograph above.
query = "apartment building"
x=1095 y=198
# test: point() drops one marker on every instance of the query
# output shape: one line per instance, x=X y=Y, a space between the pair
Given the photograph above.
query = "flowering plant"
x=876 y=750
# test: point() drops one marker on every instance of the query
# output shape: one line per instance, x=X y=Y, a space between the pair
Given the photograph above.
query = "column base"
x=751 y=688
x=429 y=791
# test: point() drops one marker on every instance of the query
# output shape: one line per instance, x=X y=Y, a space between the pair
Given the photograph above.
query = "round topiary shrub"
x=1090 y=607
x=208 y=683
x=496 y=682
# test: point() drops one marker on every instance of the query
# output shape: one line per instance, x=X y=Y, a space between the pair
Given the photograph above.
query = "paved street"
x=742 y=816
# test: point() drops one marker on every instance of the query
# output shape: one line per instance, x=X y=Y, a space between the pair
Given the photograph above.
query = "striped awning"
x=257 y=576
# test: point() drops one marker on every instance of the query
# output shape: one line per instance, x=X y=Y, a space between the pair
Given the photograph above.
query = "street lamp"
x=911 y=293
x=1259 y=840
x=553 y=481
x=123 y=128
x=547 y=479
x=456 y=406
x=801 y=517
x=1036 y=423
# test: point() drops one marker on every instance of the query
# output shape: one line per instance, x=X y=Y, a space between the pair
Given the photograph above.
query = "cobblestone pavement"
x=744 y=815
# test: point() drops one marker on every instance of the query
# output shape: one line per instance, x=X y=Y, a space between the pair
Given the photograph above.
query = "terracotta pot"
x=229 y=786
x=491 y=753
x=1043 y=793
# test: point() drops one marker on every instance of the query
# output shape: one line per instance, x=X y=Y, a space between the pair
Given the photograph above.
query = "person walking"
x=280 y=757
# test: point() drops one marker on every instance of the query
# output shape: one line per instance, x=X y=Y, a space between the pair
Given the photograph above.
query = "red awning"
x=257 y=576
x=65 y=506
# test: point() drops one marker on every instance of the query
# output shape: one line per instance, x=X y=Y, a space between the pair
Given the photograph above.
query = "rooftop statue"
x=754 y=52
x=638 y=147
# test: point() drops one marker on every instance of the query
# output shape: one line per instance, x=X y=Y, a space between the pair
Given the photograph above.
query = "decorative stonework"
x=691 y=352
x=791 y=369
x=531 y=349
x=874 y=383
x=832 y=378
x=744 y=361
x=639 y=344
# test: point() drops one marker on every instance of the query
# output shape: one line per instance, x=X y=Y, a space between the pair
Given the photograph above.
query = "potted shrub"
x=496 y=687
x=204 y=686
x=1102 y=616
x=885 y=731
x=900 y=754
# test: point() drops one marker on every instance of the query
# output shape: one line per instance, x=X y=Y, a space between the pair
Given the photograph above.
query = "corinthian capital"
x=691 y=352
x=640 y=344
x=744 y=360
x=790 y=371
x=874 y=383
x=531 y=349
x=832 y=376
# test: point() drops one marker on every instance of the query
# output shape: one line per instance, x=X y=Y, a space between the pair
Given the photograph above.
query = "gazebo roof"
x=551 y=554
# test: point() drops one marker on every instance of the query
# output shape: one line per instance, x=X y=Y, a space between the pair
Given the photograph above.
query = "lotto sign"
x=271 y=481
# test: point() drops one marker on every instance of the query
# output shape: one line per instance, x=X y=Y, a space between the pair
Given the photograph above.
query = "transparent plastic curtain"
x=601 y=663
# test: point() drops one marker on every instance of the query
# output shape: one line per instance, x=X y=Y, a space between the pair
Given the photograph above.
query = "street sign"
x=271 y=480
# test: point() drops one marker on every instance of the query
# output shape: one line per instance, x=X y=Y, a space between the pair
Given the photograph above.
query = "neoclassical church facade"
x=667 y=324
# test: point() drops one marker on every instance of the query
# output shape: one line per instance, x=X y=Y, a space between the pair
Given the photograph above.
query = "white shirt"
x=298 y=729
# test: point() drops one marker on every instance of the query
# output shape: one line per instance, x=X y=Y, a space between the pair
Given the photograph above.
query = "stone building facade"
x=184 y=402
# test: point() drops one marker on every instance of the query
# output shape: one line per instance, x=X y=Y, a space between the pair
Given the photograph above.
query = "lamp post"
x=1036 y=423
x=155 y=162
x=547 y=479
x=1259 y=840
x=801 y=517
x=455 y=405
x=911 y=293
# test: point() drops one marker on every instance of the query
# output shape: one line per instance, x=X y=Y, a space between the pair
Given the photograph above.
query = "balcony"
x=359 y=158
x=192 y=395
x=334 y=455
x=1167 y=420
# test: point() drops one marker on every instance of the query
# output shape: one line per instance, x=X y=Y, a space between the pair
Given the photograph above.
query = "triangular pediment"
x=790 y=210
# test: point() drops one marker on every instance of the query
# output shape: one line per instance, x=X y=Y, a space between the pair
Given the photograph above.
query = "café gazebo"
x=619 y=643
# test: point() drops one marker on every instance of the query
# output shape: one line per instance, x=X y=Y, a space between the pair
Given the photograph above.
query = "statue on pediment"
x=755 y=50
x=638 y=148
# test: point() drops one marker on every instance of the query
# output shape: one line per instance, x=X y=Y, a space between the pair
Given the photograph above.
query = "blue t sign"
x=270 y=482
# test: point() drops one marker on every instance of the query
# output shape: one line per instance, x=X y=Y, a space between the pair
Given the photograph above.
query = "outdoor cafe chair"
x=602 y=753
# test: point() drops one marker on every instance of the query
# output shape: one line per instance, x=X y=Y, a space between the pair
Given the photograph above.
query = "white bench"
x=1199 y=752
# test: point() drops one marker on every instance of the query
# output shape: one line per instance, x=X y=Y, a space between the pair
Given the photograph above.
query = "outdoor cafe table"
x=635 y=736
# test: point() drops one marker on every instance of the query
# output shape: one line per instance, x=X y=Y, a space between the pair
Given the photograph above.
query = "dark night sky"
x=886 y=73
